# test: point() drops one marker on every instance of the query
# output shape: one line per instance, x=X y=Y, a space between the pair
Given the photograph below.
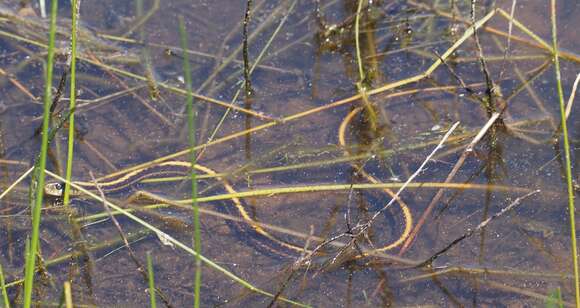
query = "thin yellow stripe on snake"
x=265 y=240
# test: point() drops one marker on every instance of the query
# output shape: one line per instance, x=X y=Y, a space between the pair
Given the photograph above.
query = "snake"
x=260 y=238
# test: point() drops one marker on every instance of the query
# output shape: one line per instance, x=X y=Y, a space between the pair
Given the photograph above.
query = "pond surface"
x=317 y=140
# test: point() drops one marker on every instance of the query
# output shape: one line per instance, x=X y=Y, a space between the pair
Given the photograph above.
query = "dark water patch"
x=131 y=112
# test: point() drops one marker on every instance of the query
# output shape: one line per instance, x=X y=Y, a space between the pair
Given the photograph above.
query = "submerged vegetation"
x=288 y=153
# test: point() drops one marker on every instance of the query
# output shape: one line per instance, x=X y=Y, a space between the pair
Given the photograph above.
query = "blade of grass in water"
x=554 y=299
x=254 y=65
x=153 y=303
x=3 y=289
x=36 y=207
x=566 y=154
x=191 y=115
x=68 y=295
x=362 y=83
x=72 y=102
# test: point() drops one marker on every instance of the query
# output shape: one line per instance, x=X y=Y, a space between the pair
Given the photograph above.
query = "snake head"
x=55 y=189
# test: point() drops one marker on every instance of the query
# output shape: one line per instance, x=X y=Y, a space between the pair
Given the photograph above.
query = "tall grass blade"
x=72 y=102
x=567 y=157
x=153 y=302
x=36 y=203
x=191 y=123
x=68 y=295
x=554 y=299
x=362 y=84
x=3 y=289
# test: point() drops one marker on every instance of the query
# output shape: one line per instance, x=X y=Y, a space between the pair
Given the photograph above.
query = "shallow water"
x=124 y=119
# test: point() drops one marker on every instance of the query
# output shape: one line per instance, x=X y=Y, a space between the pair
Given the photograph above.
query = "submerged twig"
x=140 y=267
x=507 y=51
x=245 y=53
x=489 y=103
x=468 y=150
x=482 y=225
x=365 y=226
x=361 y=228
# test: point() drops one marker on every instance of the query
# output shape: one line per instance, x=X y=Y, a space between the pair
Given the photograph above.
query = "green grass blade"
x=150 y=274
x=554 y=299
x=359 y=61
x=191 y=119
x=36 y=207
x=72 y=102
x=68 y=295
x=3 y=289
x=568 y=160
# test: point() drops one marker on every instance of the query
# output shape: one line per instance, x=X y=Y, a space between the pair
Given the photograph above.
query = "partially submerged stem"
x=568 y=159
x=36 y=203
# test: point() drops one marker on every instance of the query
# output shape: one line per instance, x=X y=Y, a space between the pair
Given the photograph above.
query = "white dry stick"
x=42 y=4
x=572 y=95
x=482 y=131
x=22 y=177
x=361 y=228
x=451 y=175
x=411 y=178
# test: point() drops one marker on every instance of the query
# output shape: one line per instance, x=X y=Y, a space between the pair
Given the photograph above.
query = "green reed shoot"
x=568 y=160
x=191 y=121
x=36 y=207
x=72 y=102
x=153 y=303
x=362 y=83
x=554 y=299
x=3 y=289
x=68 y=295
